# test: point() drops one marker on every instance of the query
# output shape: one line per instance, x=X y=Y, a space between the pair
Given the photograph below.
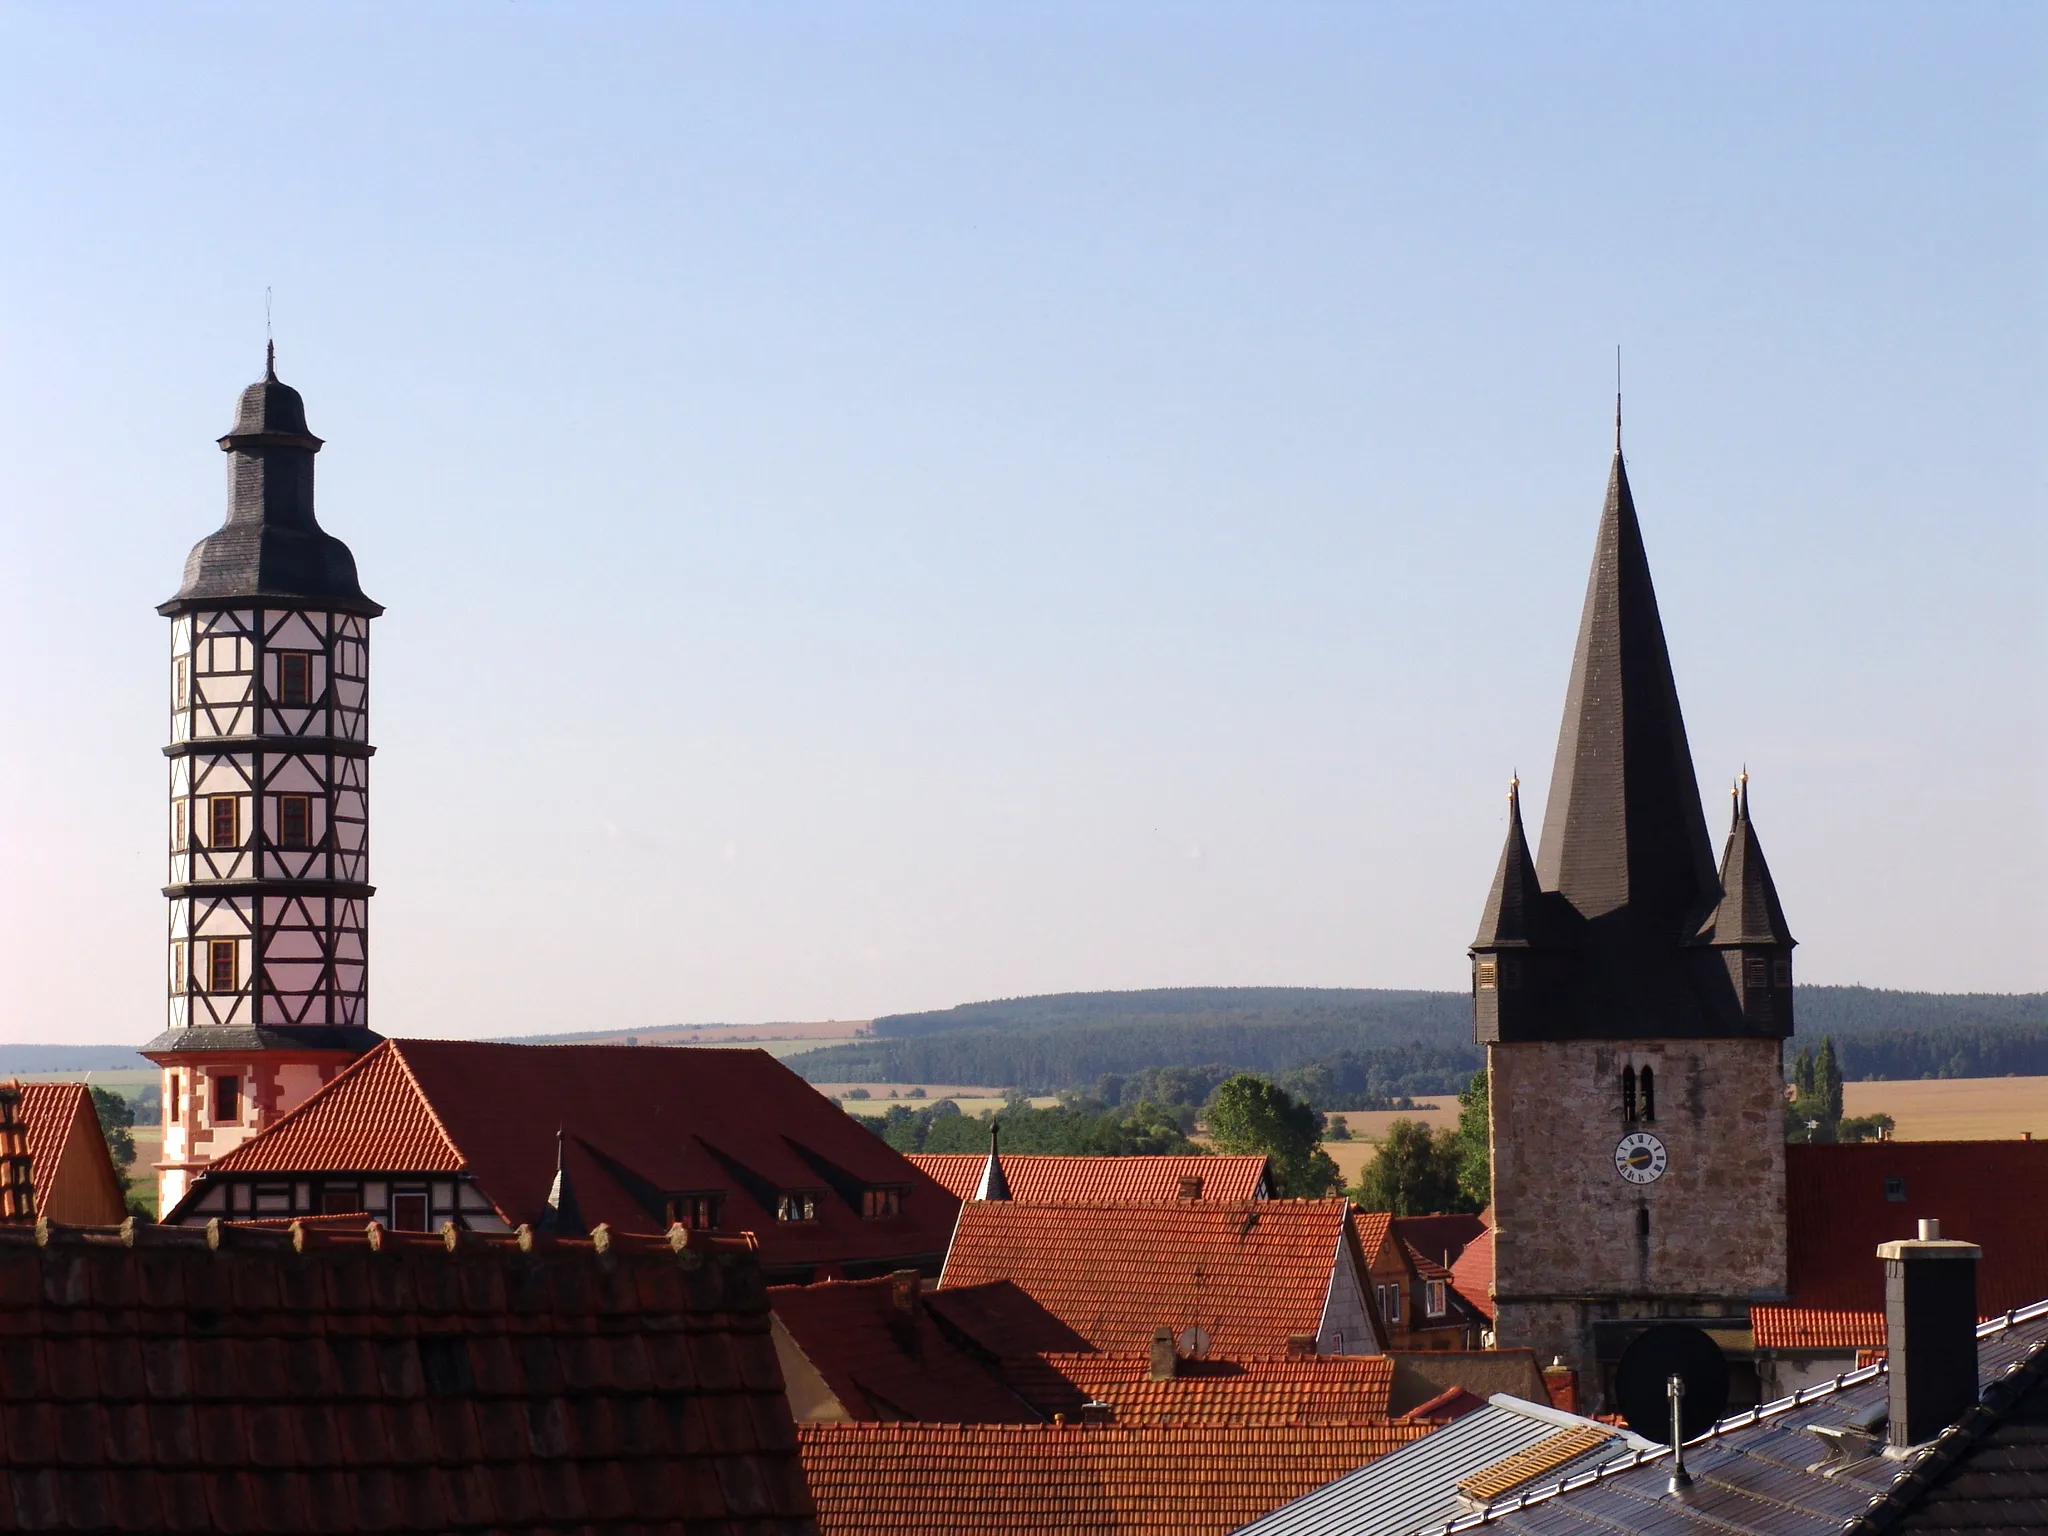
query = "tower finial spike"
x=1617 y=397
x=1742 y=790
x=269 y=343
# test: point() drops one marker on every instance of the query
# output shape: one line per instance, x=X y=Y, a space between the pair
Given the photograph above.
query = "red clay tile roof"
x=1372 y=1228
x=1985 y=1192
x=48 y=1112
x=885 y=1360
x=1472 y=1274
x=1810 y=1328
x=1040 y=1178
x=1287 y=1389
x=154 y=1381
x=1451 y=1403
x=1435 y=1236
x=1112 y=1480
x=1250 y=1274
x=643 y=1123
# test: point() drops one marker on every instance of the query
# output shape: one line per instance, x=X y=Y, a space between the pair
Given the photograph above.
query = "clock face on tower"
x=1639 y=1157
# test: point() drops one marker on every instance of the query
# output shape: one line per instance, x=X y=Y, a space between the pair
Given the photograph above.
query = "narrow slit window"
x=1628 y=1093
x=174 y=1101
x=294 y=821
x=227 y=1100
x=178 y=825
x=1648 y=1091
x=177 y=967
x=223 y=966
x=1643 y=1222
x=294 y=677
x=179 y=685
x=223 y=816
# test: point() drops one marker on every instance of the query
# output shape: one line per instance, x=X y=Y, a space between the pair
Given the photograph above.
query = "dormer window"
x=695 y=1213
x=880 y=1204
x=1434 y=1301
x=798 y=1205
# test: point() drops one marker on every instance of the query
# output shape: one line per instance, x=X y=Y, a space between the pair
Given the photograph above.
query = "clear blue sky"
x=886 y=505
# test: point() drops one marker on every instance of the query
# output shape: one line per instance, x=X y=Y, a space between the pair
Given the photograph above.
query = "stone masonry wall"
x=1568 y=1246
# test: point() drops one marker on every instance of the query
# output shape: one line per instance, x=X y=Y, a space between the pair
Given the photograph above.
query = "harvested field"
x=1955 y=1108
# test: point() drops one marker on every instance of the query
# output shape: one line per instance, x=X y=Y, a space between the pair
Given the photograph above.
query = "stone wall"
x=1569 y=1243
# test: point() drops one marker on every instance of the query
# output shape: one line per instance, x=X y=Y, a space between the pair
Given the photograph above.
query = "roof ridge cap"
x=427 y=1102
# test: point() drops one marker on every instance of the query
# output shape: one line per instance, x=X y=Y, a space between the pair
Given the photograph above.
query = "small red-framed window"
x=223 y=966
x=294 y=677
x=294 y=821
x=223 y=821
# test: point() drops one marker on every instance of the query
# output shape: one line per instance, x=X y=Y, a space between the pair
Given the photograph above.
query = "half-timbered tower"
x=1632 y=1001
x=268 y=828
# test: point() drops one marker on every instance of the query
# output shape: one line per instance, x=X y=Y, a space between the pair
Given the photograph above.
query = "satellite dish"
x=1194 y=1342
x=1651 y=1360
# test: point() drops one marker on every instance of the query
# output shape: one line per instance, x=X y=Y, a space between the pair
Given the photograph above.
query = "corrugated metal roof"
x=1416 y=1488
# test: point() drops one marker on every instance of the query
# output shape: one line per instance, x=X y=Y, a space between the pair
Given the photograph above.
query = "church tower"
x=267 y=973
x=1633 y=1002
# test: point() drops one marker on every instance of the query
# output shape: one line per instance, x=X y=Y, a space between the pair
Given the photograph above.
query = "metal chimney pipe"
x=1680 y=1478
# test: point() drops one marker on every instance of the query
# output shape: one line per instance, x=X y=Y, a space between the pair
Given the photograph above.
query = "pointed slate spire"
x=993 y=1185
x=564 y=1218
x=1513 y=906
x=1749 y=913
x=1623 y=830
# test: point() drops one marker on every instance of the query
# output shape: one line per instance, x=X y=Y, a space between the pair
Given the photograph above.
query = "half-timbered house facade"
x=266 y=974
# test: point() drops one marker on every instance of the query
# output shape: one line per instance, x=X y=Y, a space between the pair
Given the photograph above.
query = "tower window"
x=223 y=965
x=294 y=821
x=1628 y=1093
x=1781 y=973
x=227 y=1100
x=1487 y=975
x=1756 y=971
x=1647 y=1088
x=174 y=1101
x=223 y=821
x=1643 y=1222
x=178 y=825
x=179 y=686
x=177 y=967
x=294 y=677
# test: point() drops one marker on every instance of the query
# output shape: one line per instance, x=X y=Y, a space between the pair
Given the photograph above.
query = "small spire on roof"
x=269 y=362
x=564 y=1218
x=1617 y=399
x=1742 y=793
x=994 y=1185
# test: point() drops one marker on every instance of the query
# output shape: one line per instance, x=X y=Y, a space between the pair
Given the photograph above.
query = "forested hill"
x=1372 y=1044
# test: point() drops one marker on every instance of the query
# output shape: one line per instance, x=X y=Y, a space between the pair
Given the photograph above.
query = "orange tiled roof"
x=1986 y=1192
x=1039 y=1178
x=316 y=1381
x=1435 y=1236
x=1472 y=1273
x=1812 y=1328
x=1286 y=1389
x=48 y=1111
x=1372 y=1228
x=1112 y=1480
x=884 y=1356
x=642 y=1124
x=1250 y=1274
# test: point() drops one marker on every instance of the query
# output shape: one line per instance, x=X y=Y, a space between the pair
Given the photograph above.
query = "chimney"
x=1301 y=1344
x=1561 y=1382
x=1930 y=1318
x=1165 y=1360
x=1191 y=1186
x=906 y=1289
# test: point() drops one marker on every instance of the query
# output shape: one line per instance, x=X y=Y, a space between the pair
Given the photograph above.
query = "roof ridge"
x=427 y=1100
